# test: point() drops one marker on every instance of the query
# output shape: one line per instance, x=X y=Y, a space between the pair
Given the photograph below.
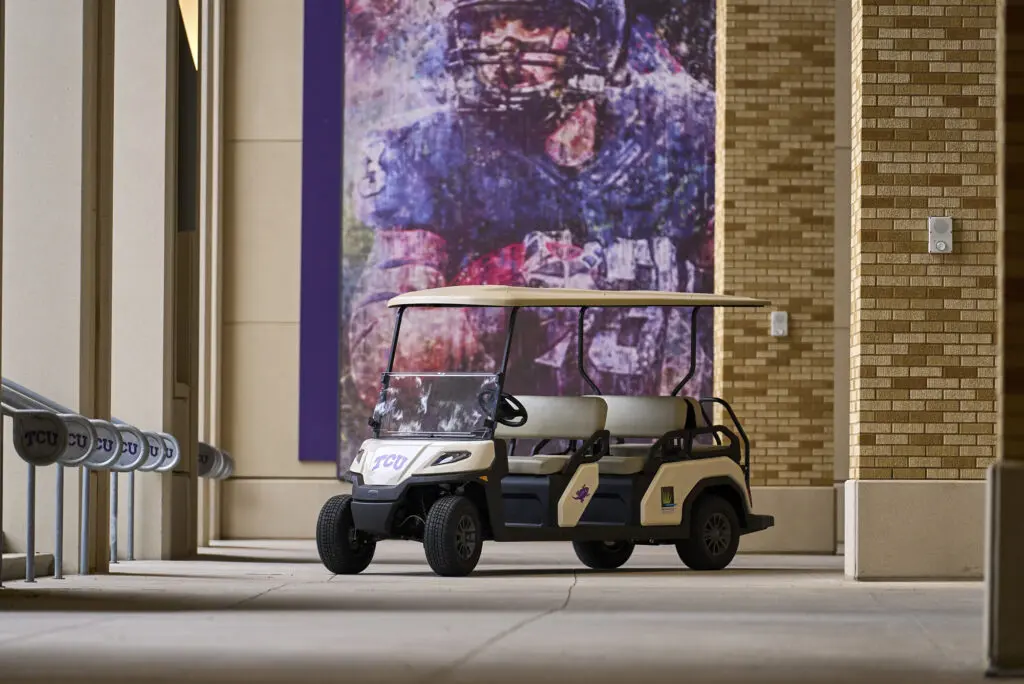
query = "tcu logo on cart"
x=392 y=461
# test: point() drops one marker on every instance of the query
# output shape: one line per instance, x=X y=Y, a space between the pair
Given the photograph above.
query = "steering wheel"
x=510 y=411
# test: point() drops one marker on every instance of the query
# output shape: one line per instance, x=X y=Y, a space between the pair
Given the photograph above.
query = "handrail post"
x=83 y=537
x=113 y=517
x=30 y=542
x=131 y=515
x=58 y=548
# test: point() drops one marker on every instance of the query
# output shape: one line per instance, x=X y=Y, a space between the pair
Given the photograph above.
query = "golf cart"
x=442 y=467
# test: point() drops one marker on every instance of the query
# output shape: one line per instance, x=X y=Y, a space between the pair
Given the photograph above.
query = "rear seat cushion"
x=536 y=465
x=557 y=418
x=625 y=459
x=621 y=465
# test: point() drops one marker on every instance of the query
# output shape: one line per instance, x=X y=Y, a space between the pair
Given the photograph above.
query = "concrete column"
x=923 y=374
x=145 y=181
x=774 y=237
x=211 y=69
x=56 y=242
x=154 y=284
x=1004 y=624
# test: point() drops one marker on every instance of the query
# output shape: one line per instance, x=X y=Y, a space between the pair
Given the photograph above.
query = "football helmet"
x=539 y=56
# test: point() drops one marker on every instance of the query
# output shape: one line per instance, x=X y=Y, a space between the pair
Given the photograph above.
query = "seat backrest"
x=557 y=418
x=650 y=417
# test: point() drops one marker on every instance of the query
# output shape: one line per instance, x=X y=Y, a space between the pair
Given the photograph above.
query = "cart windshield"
x=436 y=405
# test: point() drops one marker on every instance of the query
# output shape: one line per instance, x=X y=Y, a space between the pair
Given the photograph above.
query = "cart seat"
x=541 y=464
x=632 y=450
x=643 y=417
x=622 y=465
x=552 y=418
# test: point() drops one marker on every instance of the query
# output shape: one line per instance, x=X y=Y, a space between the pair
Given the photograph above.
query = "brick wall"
x=774 y=230
x=1013 y=237
x=923 y=357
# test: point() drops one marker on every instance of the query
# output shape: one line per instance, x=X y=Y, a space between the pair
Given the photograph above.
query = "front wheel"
x=601 y=555
x=343 y=550
x=714 y=535
x=452 y=538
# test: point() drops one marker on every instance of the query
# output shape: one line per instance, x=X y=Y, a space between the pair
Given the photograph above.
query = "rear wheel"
x=343 y=549
x=714 y=535
x=453 y=538
x=601 y=555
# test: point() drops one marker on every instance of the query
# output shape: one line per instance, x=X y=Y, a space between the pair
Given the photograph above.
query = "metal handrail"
x=94 y=445
x=103 y=452
x=171 y=448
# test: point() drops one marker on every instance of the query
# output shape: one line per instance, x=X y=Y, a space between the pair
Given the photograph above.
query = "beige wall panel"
x=263 y=69
x=42 y=243
x=262 y=213
x=261 y=383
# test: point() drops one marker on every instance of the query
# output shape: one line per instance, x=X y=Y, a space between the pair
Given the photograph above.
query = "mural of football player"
x=572 y=149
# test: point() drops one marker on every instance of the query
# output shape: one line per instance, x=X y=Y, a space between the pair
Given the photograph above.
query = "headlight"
x=359 y=457
x=451 y=457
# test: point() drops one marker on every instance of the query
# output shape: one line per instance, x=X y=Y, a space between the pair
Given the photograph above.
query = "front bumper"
x=756 y=522
x=374 y=506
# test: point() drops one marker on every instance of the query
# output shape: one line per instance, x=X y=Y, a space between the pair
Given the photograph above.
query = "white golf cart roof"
x=505 y=296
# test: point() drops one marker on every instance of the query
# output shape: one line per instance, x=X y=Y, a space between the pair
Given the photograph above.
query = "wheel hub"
x=465 y=537
x=717 y=534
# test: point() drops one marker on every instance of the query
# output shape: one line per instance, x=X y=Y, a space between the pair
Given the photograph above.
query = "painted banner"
x=544 y=143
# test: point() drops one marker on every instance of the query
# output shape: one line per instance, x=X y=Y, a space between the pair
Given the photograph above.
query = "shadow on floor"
x=583 y=572
x=254 y=560
x=781 y=670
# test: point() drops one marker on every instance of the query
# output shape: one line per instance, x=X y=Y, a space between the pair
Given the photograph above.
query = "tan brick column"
x=923 y=347
x=774 y=239
x=1004 y=633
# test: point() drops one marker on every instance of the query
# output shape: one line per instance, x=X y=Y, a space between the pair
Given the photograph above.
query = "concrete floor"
x=249 y=612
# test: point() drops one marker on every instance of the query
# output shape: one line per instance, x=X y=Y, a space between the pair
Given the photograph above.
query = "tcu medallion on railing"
x=39 y=437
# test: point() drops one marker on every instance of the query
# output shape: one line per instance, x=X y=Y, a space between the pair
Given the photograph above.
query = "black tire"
x=601 y=555
x=453 y=536
x=343 y=550
x=714 y=535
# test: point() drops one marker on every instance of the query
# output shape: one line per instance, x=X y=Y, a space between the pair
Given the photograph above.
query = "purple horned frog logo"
x=581 y=494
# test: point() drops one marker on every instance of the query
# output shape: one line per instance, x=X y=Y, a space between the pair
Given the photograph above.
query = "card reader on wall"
x=940 y=234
